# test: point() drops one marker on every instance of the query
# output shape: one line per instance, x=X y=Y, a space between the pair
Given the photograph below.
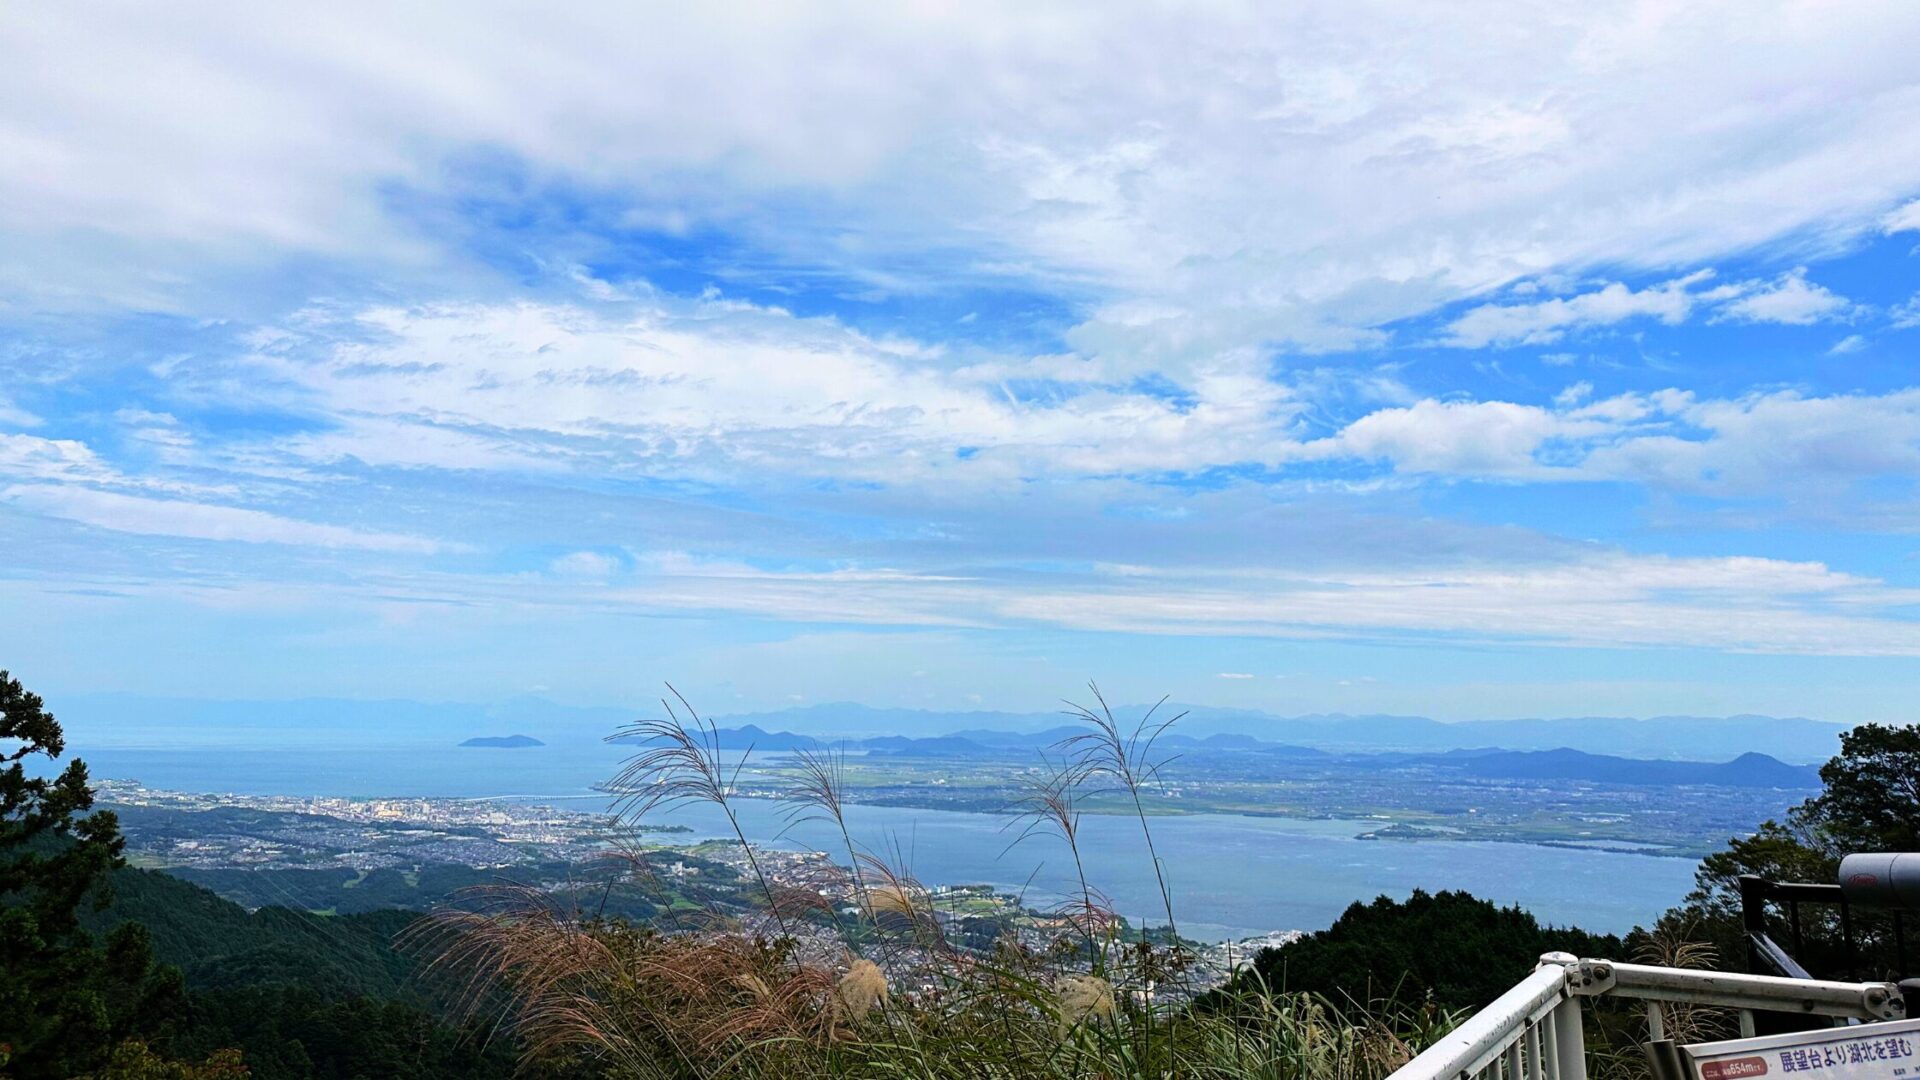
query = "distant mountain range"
x=1749 y=770
x=1793 y=739
x=973 y=742
x=503 y=742
x=127 y=720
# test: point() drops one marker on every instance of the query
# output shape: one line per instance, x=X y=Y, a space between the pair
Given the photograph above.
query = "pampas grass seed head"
x=1083 y=999
x=861 y=988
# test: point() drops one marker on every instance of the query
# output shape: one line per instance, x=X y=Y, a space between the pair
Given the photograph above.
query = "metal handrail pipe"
x=1810 y=892
x=1769 y=952
x=1467 y=1048
x=1817 y=997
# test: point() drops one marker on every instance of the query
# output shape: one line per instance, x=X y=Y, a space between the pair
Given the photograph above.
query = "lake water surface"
x=1230 y=875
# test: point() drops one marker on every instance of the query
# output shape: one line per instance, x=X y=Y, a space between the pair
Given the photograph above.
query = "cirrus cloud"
x=202 y=521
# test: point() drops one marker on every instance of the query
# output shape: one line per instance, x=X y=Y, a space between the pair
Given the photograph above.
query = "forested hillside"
x=113 y=973
x=218 y=944
x=300 y=995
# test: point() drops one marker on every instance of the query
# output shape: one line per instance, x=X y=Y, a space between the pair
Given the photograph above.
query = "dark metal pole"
x=1753 y=915
x=1666 y=1061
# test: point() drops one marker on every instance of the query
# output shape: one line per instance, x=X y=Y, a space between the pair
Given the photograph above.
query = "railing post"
x=1753 y=903
x=1566 y=1028
x=1570 y=1040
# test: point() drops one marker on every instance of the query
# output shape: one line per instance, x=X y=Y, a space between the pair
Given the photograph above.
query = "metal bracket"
x=1585 y=978
x=1884 y=1001
x=1590 y=978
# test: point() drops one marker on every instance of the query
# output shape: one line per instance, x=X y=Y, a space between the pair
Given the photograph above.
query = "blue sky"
x=1489 y=361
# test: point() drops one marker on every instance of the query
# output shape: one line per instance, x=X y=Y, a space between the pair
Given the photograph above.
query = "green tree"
x=1790 y=851
x=1869 y=801
x=133 y=1060
x=66 y=999
x=1450 y=947
x=292 y=1033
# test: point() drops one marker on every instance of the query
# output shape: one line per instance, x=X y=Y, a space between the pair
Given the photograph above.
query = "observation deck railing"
x=1535 y=1030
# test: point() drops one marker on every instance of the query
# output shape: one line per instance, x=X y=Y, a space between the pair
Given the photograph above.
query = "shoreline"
x=852 y=799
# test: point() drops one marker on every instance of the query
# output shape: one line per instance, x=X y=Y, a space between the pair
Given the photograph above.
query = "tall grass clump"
x=1125 y=756
x=859 y=974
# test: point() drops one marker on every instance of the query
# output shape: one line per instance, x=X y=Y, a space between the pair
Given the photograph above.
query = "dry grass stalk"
x=1127 y=757
x=818 y=795
x=683 y=765
x=1674 y=945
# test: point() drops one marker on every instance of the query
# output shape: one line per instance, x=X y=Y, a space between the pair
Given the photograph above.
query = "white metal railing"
x=1534 y=1031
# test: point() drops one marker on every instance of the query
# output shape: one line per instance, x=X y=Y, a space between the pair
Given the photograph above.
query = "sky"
x=1470 y=360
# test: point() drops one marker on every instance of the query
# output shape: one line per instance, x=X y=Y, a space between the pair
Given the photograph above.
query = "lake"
x=1231 y=876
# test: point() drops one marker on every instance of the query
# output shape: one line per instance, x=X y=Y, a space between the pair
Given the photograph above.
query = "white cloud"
x=585 y=564
x=1548 y=321
x=33 y=458
x=1759 y=444
x=200 y=521
x=15 y=415
x=1907 y=316
x=1852 y=343
x=1614 y=600
x=714 y=388
x=1596 y=598
x=160 y=432
x=1574 y=394
x=1461 y=438
x=1772 y=443
x=1233 y=675
x=1790 y=299
x=1903 y=219
x=1200 y=189
x=1604 y=599
x=1222 y=178
x=732 y=393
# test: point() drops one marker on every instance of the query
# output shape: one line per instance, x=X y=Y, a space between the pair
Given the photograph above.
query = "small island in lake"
x=504 y=742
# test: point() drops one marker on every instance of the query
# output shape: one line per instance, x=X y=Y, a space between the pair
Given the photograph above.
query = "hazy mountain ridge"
x=1790 y=739
x=1747 y=770
x=119 y=719
x=1750 y=769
